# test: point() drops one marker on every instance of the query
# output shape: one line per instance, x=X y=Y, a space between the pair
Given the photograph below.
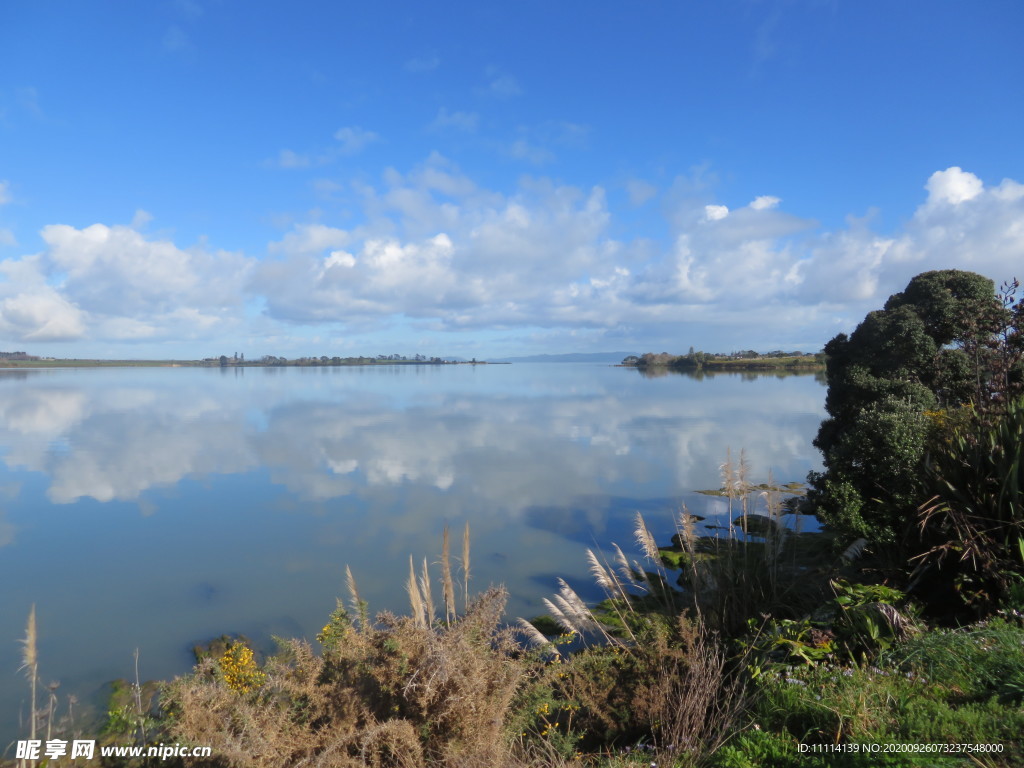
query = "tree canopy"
x=945 y=343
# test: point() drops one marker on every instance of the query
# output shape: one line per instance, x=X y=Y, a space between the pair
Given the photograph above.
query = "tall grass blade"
x=428 y=599
x=646 y=540
x=601 y=576
x=419 y=613
x=560 y=618
x=535 y=637
x=465 y=563
x=30 y=663
x=574 y=606
x=447 y=585
x=628 y=572
x=359 y=606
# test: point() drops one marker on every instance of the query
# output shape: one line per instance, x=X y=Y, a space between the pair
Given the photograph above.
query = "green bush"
x=972 y=529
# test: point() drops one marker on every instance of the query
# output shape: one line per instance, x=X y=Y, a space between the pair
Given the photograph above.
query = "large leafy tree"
x=926 y=352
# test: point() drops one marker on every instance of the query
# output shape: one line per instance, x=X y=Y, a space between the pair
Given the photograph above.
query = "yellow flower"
x=241 y=673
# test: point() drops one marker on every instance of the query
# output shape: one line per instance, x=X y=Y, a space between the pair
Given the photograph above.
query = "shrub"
x=972 y=528
x=391 y=693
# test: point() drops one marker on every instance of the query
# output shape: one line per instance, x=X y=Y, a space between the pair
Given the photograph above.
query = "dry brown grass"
x=397 y=693
x=462 y=691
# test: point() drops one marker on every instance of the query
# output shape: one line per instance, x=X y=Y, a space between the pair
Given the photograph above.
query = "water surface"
x=155 y=508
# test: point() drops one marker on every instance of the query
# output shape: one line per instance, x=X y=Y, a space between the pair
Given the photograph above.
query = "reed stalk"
x=427 y=593
x=447 y=585
x=30 y=663
x=419 y=612
x=359 y=606
x=465 y=563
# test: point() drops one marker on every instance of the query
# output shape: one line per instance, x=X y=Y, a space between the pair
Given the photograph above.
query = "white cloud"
x=33 y=310
x=503 y=86
x=953 y=186
x=340 y=259
x=326 y=188
x=463 y=121
x=435 y=251
x=351 y=140
x=141 y=219
x=764 y=202
x=41 y=315
x=104 y=282
x=5 y=192
x=460 y=256
x=354 y=139
x=521 y=149
x=115 y=270
x=961 y=225
x=7 y=237
x=640 y=191
x=310 y=239
x=715 y=212
x=289 y=159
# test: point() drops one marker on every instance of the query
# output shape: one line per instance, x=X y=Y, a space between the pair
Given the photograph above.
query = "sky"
x=190 y=178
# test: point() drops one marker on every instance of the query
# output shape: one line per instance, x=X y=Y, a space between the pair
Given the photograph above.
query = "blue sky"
x=185 y=178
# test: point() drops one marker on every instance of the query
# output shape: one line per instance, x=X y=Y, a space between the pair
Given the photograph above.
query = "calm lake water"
x=156 y=508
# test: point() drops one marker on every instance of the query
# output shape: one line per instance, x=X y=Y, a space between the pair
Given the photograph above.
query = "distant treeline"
x=273 y=360
x=17 y=356
x=749 y=359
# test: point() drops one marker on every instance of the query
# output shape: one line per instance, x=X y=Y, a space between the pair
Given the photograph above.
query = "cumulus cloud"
x=765 y=202
x=521 y=149
x=439 y=252
x=33 y=310
x=459 y=256
x=640 y=191
x=40 y=315
x=502 y=86
x=952 y=186
x=117 y=271
x=113 y=282
x=350 y=140
x=353 y=139
x=452 y=255
x=310 y=239
x=715 y=212
x=463 y=121
x=961 y=225
x=288 y=158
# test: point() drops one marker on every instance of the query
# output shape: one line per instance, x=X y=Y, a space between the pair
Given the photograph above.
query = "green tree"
x=901 y=364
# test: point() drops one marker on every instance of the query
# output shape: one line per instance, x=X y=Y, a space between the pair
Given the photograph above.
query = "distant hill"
x=573 y=357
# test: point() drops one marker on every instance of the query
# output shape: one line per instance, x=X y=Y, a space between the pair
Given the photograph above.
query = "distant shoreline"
x=806 y=364
x=86 y=363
